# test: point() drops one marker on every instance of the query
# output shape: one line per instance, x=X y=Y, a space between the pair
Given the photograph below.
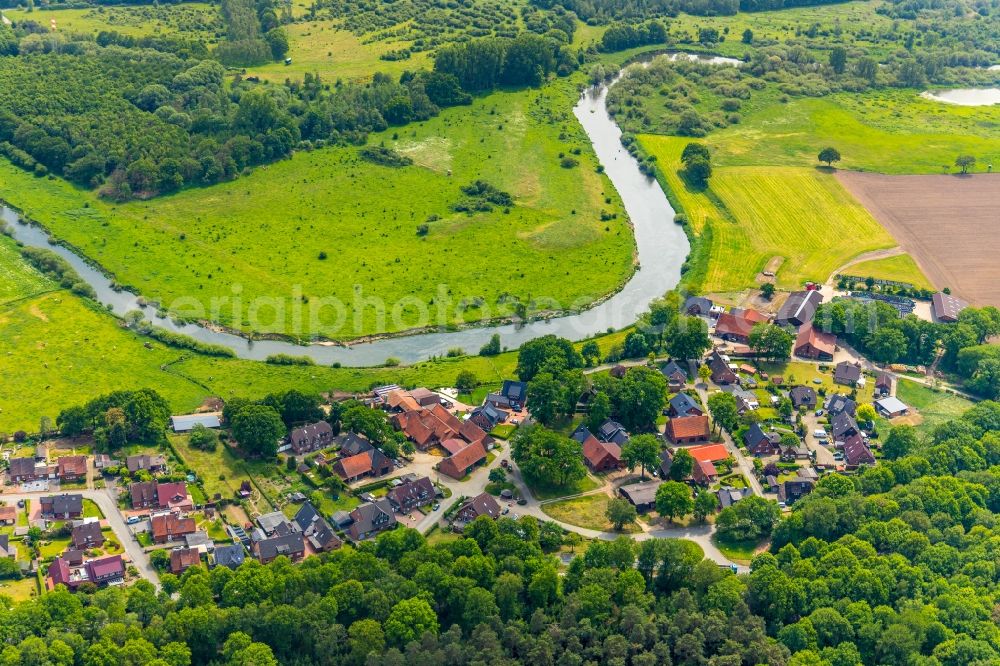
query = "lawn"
x=18 y=279
x=740 y=552
x=750 y=215
x=437 y=536
x=504 y=430
x=548 y=491
x=210 y=466
x=587 y=511
x=20 y=590
x=91 y=510
x=551 y=249
x=319 y=47
x=901 y=268
x=933 y=406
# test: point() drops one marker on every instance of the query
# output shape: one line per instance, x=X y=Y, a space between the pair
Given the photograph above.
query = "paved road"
x=745 y=464
x=109 y=508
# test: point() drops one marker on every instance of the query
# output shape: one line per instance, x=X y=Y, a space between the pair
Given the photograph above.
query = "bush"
x=384 y=156
x=288 y=359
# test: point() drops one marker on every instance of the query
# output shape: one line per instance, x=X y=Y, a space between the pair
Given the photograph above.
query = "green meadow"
x=327 y=224
x=18 y=279
x=196 y=20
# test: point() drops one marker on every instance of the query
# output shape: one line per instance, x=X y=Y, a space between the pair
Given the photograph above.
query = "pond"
x=965 y=96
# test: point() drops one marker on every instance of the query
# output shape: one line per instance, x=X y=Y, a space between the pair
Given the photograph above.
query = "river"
x=662 y=247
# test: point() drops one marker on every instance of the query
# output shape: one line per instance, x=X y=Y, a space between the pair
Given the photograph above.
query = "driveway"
x=114 y=519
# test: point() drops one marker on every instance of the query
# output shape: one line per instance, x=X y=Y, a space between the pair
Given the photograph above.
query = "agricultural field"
x=941 y=221
x=327 y=224
x=756 y=214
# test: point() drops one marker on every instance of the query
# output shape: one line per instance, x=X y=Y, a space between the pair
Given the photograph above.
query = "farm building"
x=601 y=456
x=688 y=430
x=186 y=422
x=641 y=495
x=735 y=326
x=814 y=344
x=697 y=306
x=799 y=309
x=946 y=307
x=891 y=407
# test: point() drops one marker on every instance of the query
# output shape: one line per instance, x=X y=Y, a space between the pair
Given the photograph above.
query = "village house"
x=612 y=431
x=316 y=530
x=182 y=559
x=688 y=430
x=63 y=506
x=846 y=374
x=86 y=536
x=730 y=496
x=840 y=404
x=722 y=374
x=802 y=397
x=171 y=527
x=152 y=464
x=101 y=571
x=370 y=519
x=856 y=452
x=946 y=307
x=487 y=417
x=601 y=456
x=231 y=556
x=676 y=376
x=843 y=426
x=642 y=495
x=697 y=306
x=795 y=489
x=143 y=495
x=8 y=515
x=761 y=443
x=795 y=452
x=173 y=495
x=371 y=462
x=275 y=523
x=23 y=470
x=427 y=427
x=461 y=463
x=71 y=468
x=310 y=437
x=681 y=404
x=704 y=473
x=516 y=392
x=746 y=401
x=292 y=546
x=711 y=452
x=400 y=401
x=815 y=344
x=482 y=504
x=799 y=308
x=7 y=551
x=883 y=384
x=736 y=325
x=412 y=494
x=106 y=570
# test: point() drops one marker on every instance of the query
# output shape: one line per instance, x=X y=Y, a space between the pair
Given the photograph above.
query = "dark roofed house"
x=761 y=443
x=146 y=462
x=482 y=504
x=799 y=308
x=721 y=372
x=681 y=404
x=412 y=494
x=231 y=556
x=351 y=444
x=581 y=433
x=698 y=306
x=497 y=400
x=846 y=373
x=857 y=453
x=883 y=384
x=274 y=523
x=182 y=559
x=24 y=469
x=143 y=494
x=612 y=431
x=676 y=376
x=63 y=506
x=370 y=519
x=106 y=569
x=459 y=464
x=666 y=462
x=641 y=495
x=730 y=496
x=516 y=392
x=316 y=529
x=838 y=404
x=601 y=456
x=815 y=344
x=70 y=468
x=946 y=307
x=311 y=437
x=87 y=536
x=795 y=489
x=688 y=430
x=487 y=417
x=843 y=426
x=802 y=396
x=292 y=546
x=618 y=371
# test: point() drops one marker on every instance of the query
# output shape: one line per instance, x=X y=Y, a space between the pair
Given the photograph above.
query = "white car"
x=819 y=433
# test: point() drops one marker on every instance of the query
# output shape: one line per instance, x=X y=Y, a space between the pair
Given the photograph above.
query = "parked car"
x=819 y=412
x=20 y=504
x=436 y=506
x=132 y=520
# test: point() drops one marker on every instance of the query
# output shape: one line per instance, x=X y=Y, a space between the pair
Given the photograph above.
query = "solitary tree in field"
x=965 y=162
x=620 y=512
x=829 y=155
x=767 y=290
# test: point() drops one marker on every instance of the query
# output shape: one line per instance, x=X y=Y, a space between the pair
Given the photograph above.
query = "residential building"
x=171 y=527
x=71 y=468
x=462 y=462
x=147 y=462
x=310 y=437
x=412 y=494
x=63 y=506
x=883 y=384
x=846 y=373
x=761 y=443
x=87 y=535
x=601 y=456
x=143 y=495
x=187 y=422
x=316 y=530
x=796 y=452
x=641 y=495
x=370 y=519
x=802 y=396
x=688 y=430
x=722 y=374
x=173 y=495
x=8 y=515
x=231 y=556
x=840 y=404
x=369 y=463
x=799 y=308
x=22 y=470
x=704 y=473
x=730 y=496
x=182 y=559
x=795 y=489
x=697 y=306
x=856 y=452
x=401 y=401
x=843 y=426
x=106 y=570
x=6 y=550
x=711 y=452
x=681 y=404
x=292 y=546
x=946 y=307
x=612 y=431
x=275 y=523
x=736 y=325
x=429 y=426
x=351 y=444
x=483 y=504
x=487 y=417
x=516 y=392
x=815 y=344
x=676 y=376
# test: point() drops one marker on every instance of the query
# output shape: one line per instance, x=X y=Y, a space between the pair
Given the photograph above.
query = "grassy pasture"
x=18 y=279
x=264 y=233
x=757 y=213
x=901 y=268
x=196 y=20
x=933 y=406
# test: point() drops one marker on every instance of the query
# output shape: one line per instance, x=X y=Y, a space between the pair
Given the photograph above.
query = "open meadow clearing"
x=196 y=20
x=900 y=268
x=945 y=222
x=328 y=224
x=18 y=279
x=750 y=215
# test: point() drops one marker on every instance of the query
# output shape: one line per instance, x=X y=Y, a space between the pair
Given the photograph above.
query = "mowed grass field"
x=901 y=268
x=328 y=224
x=753 y=214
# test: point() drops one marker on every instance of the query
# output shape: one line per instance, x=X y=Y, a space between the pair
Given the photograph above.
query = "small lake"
x=661 y=246
x=965 y=96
